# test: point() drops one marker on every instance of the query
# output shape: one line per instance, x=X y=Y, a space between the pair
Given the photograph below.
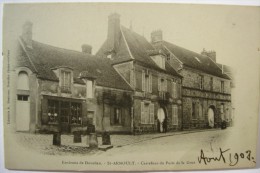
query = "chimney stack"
x=156 y=36
x=86 y=48
x=211 y=54
x=113 y=33
x=27 y=33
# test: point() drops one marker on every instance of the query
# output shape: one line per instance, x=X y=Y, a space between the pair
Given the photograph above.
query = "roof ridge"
x=65 y=49
x=127 y=46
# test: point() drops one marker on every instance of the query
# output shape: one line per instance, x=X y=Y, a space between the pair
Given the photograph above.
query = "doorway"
x=211 y=116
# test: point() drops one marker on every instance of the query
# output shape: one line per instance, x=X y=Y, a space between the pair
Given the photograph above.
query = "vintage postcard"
x=130 y=86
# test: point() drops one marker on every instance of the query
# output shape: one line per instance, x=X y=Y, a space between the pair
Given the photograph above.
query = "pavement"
x=43 y=142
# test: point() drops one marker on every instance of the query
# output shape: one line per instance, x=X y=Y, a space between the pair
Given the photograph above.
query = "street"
x=209 y=141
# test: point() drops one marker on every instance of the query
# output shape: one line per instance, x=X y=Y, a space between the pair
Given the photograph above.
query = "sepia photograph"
x=130 y=86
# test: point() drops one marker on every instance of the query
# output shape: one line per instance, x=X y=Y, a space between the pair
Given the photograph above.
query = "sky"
x=229 y=30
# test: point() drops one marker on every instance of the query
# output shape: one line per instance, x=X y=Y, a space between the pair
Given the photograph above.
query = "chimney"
x=86 y=48
x=27 y=33
x=156 y=36
x=211 y=54
x=113 y=33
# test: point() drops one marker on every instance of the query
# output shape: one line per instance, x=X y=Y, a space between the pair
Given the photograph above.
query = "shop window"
x=53 y=111
x=147 y=113
x=75 y=111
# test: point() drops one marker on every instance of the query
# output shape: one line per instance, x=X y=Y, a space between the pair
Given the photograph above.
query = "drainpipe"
x=181 y=107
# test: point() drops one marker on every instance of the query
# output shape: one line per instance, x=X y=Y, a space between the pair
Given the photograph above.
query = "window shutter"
x=165 y=85
x=159 y=84
x=143 y=80
x=174 y=89
x=151 y=113
x=150 y=83
x=142 y=113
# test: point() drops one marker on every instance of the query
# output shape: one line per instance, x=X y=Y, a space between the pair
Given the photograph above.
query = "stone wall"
x=201 y=99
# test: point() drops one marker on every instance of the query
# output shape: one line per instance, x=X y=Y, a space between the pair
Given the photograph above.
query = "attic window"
x=197 y=59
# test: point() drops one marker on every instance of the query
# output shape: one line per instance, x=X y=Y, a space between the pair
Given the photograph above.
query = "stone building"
x=206 y=90
x=55 y=88
x=156 y=84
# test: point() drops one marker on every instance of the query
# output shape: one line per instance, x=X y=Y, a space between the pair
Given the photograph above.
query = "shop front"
x=62 y=114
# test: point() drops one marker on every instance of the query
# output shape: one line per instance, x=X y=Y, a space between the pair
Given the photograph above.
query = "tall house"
x=156 y=84
x=206 y=90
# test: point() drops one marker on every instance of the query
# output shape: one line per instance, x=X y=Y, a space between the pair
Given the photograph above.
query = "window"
x=75 y=111
x=22 y=97
x=174 y=115
x=201 y=82
x=174 y=89
x=89 y=89
x=211 y=83
x=64 y=111
x=23 y=81
x=162 y=84
x=194 y=116
x=53 y=111
x=146 y=81
x=147 y=113
x=90 y=118
x=222 y=108
x=222 y=86
x=65 y=81
x=117 y=117
x=159 y=60
x=200 y=110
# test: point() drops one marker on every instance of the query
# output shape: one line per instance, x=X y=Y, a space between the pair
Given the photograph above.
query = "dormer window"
x=159 y=60
x=65 y=77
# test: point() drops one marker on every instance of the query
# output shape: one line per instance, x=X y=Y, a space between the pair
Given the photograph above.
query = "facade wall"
x=32 y=93
x=155 y=98
x=197 y=100
x=107 y=101
x=191 y=79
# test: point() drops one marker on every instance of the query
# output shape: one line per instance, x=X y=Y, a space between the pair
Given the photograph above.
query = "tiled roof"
x=194 y=60
x=134 y=47
x=46 y=57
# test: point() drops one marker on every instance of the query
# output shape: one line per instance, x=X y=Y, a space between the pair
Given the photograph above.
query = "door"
x=22 y=113
x=211 y=117
x=64 y=116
